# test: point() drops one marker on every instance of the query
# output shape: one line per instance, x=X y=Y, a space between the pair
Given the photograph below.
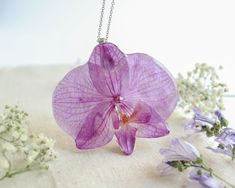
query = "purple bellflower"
x=204 y=178
x=199 y=121
x=181 y=155
x=127 y=96
x=226 y=140
x=178 y=156
x=218 y=128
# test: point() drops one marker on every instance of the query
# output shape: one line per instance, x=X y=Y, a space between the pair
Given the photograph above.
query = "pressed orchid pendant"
x=127 y=96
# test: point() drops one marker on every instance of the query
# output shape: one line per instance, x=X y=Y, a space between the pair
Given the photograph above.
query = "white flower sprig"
x=20 y=151
x=201 y=88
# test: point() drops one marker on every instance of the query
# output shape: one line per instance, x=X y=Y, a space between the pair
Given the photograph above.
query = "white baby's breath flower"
x=31 y=156
x=15 y=134
x=24 y=149
x=37 y=151
x=23 y=137
x=44 y=165
x=2 y=128
x=201 y=88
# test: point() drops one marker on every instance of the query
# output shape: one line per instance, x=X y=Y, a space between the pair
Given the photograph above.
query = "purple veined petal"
x=185 y=148
x=126 y=138
x=148 y=123
x=198 y=116
x=127 y=107
x=115 y=119
x=180 y=150
x=97 y=130
x=142 y=113
x=219 y=115
x=226 y=151
x=109 y=70
x=152 y=130
x=73 y=99
x=151 y=83
x=193 y=126
x=227 y=137
x=165 y=169
x=171 y=155
x=204 y=179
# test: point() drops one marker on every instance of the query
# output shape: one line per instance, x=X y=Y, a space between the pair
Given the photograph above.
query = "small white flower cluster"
x=201 y=88
x=16 y=144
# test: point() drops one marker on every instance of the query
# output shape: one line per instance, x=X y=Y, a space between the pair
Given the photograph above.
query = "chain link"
x=99 y=39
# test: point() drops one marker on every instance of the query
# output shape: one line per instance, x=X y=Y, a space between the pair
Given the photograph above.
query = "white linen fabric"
x=32 y=87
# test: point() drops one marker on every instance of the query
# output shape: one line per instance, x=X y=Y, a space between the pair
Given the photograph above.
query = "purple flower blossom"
x=227 y=137
x=219 y=115
x=165 y=169
x=204 y=178
x=193 y=126
x=226 y=150
x=226 y=140
x=199 y=121
x=179 y=150
x=127 y=96
x=203 y=118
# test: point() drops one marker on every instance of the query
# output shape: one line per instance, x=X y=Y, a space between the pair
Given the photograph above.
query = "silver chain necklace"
x=99 y=38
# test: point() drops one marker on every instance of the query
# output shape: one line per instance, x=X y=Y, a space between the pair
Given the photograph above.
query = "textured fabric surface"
x=32 y=87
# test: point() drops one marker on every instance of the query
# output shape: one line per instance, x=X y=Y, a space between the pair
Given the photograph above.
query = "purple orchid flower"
x=127 y=96
x=179 y=150
x=204 y=178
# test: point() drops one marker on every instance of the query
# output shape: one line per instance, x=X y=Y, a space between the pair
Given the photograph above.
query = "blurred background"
x=177 y=33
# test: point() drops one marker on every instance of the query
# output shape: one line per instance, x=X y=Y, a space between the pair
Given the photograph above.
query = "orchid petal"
x=148 y=122
x=126 y=139
x=152 y=83
x=97 y=130
x=108 y=69
x=73 y=99
x=115 y=119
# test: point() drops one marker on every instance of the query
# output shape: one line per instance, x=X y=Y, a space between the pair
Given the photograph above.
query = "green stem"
x=203 y=166
x=11 y=141
x=6 y=140
x=19 y=171
x=225 y=181
x=3 y=177
x=10 y=174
